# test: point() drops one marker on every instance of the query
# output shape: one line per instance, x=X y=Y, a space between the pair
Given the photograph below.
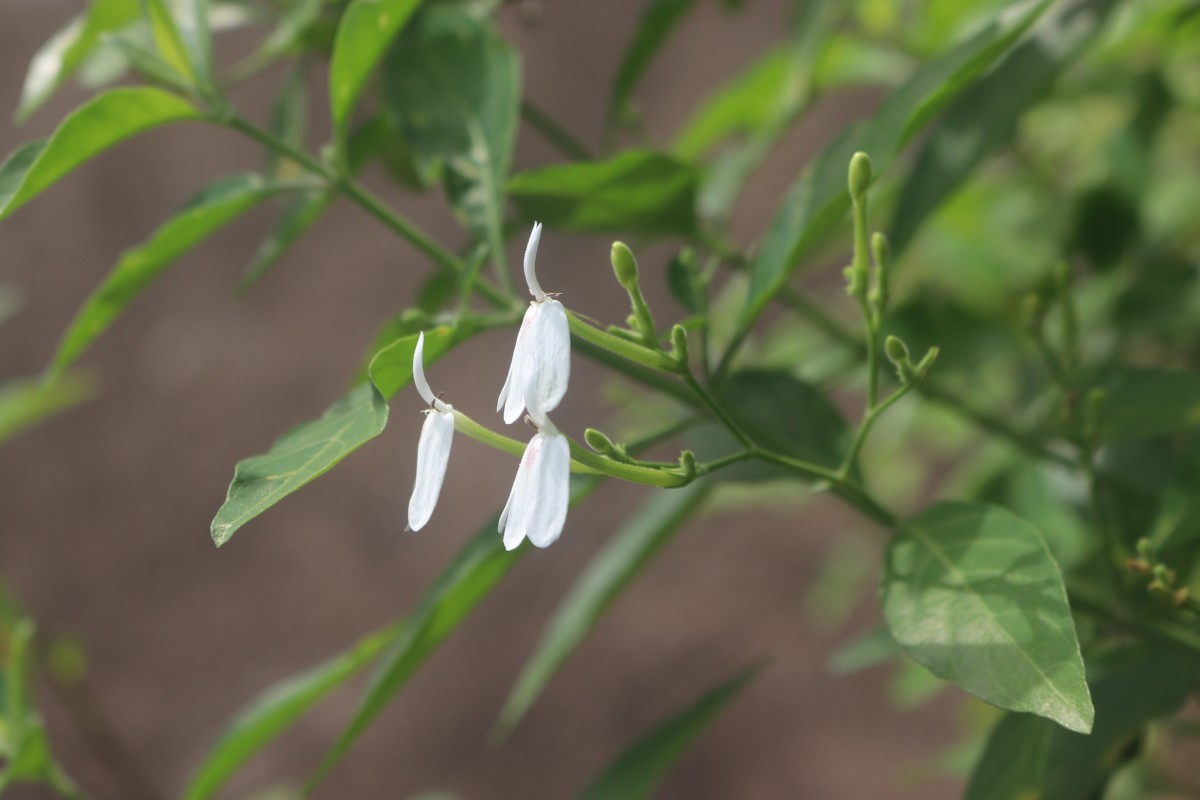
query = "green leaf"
x=297 y=217
x=1149 y=402
x=658 y=20
x=312 y=449
x=819 y=200
x=634 y=192
x=477 y=568
x=99 y=124
x=366 y=30
x=59 y=57
x=137 y=267
x=169 y=39
x=986 y=116
x=1014 y=759
x=289 y=121
x=293 y=23
x=872 y=648
x=454 y=87
x=276 y=709
x=642 y=536
x=972 y=593
x=25 y=403
x=641 y=767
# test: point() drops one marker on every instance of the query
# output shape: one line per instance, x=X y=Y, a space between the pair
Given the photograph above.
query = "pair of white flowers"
x=537 y=380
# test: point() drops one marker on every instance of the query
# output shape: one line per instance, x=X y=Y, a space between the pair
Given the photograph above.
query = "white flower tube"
x=541 y=363
x=433 y=450
x=537 y=505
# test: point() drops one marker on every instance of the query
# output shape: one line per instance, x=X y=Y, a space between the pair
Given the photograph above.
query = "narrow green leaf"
x=99 y=124
x=59 y=57
x=312 y=449
x=299 y=215
x=972 y=593
x=25 y=403
x=137 y=267
x=986 y=115
x=149 y=65
x=366 y=30
x=293 y=23
x=872 y=648
x=276 y=709
x=642 y=536
x=1149 y=402
x=819 y=199
x=453 y=85
x=475 y=571
x=634 y=192
x=168 y=37
x=658 y=20
x=1014 y=759
x=641 y=767
x=289 y=122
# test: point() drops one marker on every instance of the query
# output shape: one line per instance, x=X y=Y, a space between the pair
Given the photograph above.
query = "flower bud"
x=687 y=462
x=598 y=441
x=625 y=266
x=860 y=176
x=897 y=351
x=679 y=345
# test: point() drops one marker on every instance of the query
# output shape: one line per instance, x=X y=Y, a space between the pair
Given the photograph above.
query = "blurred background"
x=105 y=510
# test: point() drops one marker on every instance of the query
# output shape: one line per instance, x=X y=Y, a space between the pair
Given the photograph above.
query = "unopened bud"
x=687 y=462
x=897 y=351
x=625 y=266
x=598 y=441
x=922 y=368
x=879 y=293
x=679 y=345
x=860 y=176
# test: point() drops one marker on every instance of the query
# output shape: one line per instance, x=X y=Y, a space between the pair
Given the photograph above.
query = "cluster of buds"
x=1163 y=579
x=537 y=381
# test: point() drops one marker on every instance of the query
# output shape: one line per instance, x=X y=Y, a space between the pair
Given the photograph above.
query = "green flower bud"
x=897 y=351
x=598 y=441
x=860 y=176
x=687 y=462
x=625 y=266
x=679 y=345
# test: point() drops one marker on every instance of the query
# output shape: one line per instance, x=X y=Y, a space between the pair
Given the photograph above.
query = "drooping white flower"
x=433 y=450
x=541 y=361
x=537 y=505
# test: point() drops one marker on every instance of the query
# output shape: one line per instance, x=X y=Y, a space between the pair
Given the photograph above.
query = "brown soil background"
x=105 y=510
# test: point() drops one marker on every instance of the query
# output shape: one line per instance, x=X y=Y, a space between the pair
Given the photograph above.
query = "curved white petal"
x=418 y=371
x=531 y=249
x=548 y=491
x=513 y=520
x=433 y=454
x=547 y=359
x=512 y=395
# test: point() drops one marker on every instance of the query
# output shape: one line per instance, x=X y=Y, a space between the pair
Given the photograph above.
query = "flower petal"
x=548 y=491
x=418 y=371
x=531 y=249
x=547 y=359
x=516 y=510
x=433 y=454
x=512 y=395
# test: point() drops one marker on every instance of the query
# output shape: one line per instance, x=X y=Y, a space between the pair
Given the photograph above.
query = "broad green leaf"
x=475 y=571
x=454 y=87
x=819 y=200
x=299 y=215
x=634 y=192
x=1149 y=402
x=312 y=449
x=972 y=593
x=276 y=709
x=1132 y=687
x=986 y=115
x=99 y=124
x=59 y=57
x=630 y=549
x=137 y=267
x=641 y=767
x=366 y=30
x=658 y=20
x=25 y=403
x=1014 y=759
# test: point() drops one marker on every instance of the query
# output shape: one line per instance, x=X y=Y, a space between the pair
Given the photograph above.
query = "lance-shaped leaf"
x=972 y=593
x=165 y=18
x=623 y=557
x=1014 y=759
x=366 y=30
x=276 y=709
x=454 y=87
x=475 y=571
x=820 y=199
x=99 y=124
x=639 y=769
x=25 y=403
x=986 y=116
x=59 y=57
x=658 y=20
x=637 y=191
x=312 y=449
x=213 y=208
x=298 y=216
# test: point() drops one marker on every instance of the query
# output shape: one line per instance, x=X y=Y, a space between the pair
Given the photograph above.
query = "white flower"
x=433 y=451
x=537 y=505
x=541 y=362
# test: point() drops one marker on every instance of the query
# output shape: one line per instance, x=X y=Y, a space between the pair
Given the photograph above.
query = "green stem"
x=554 y=133
x=718 y=411
x=864 y=429
x=653 y=359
